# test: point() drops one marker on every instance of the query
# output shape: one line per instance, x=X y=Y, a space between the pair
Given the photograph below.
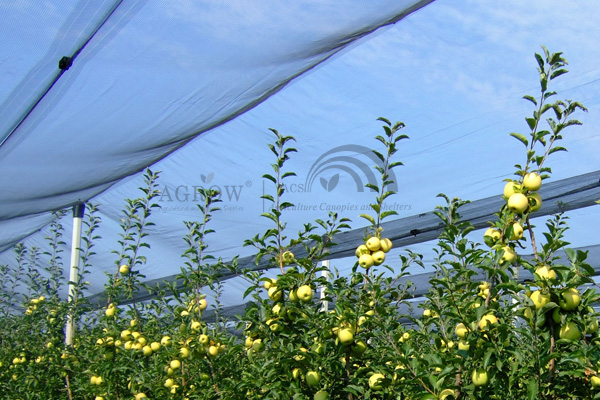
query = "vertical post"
x=78 y=211
x=325 y=274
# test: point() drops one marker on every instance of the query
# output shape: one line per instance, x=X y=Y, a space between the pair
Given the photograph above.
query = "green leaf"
x=388 y=213
x=556 y=148
x=521 y=138
x=531 y=99
x=368 y=218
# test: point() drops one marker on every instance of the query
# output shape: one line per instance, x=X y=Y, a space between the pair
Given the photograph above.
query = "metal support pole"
x=325 y=274
x=78 y=211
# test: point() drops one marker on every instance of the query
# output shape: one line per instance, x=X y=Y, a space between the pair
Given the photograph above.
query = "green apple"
x=569 y=299
x=532 y=181
x=509 y=255
x=184 y=352
x=480 y=377
x=595 y=381
x=362 y=249
x=258 y=345
x=345 y=336
x=535 y=201
x=486 y=321
x=275 y=293
x=539 y=299
x=378 y=257
x=493 y=234
x=304 y=293
x=569 y=331
x=385 y=245
x=366 y=261
x=203 y=339
x=358 y=347
x=517 y=231
x=461 y=330
x=296 y=373
x=269 y=282
x=518 y=203
x=556 y=315
x=464 y=345
x=376 y=381
x=313 y=378
x=124 y=269
x=445 y=393
x=169 y=382
x=373 y=244
x=321 y=395
x=545 y=273
x=592 y=327
x=511 y=188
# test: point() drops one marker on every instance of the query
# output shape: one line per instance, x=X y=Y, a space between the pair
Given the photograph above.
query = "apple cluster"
x=373 y=252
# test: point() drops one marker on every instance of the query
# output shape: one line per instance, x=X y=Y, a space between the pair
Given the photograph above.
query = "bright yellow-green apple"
x=293 y=295
x=184 y=352
x=296 y=373
x=304 y=293
x=147 y=350
x=517 y=231
x=385 y=245
x=445 y=393
x=464 y=345
x=196 y=325
x=461 y=330
x=269 y=282
x=569 y=331
x=203 y=339
x=321 y=395
x=213 y=351
x=376 y=381
x=140 y=396
x=487 y=320
x=366 y=261
x=528 y=314
x=249 y=341
x=373 y=244
x=595 y=381
x=539 y=299
x=110 y=312
x=518 y=203
x=169 y=382
x=125 y=335
x=155 y=346
x=165 y=341
x=275 y=293
x=202 y=304
x=405 y=336
x=511 y=188
x=378 y=257
x=535 y=201
x=313 y=378
x=124 y=269
x=545 y=273
x=492 y=233
x=362 y=249
x=288 y=257
x=509 y=255
x=276 y=309
x=532 y=181
x=480 y=377
x=345 y=336
x=569 y=299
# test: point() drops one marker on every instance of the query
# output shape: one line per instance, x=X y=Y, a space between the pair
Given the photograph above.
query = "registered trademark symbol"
x=248 y=183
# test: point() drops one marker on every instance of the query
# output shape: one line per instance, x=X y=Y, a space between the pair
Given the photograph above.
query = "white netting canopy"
x=92 y=93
